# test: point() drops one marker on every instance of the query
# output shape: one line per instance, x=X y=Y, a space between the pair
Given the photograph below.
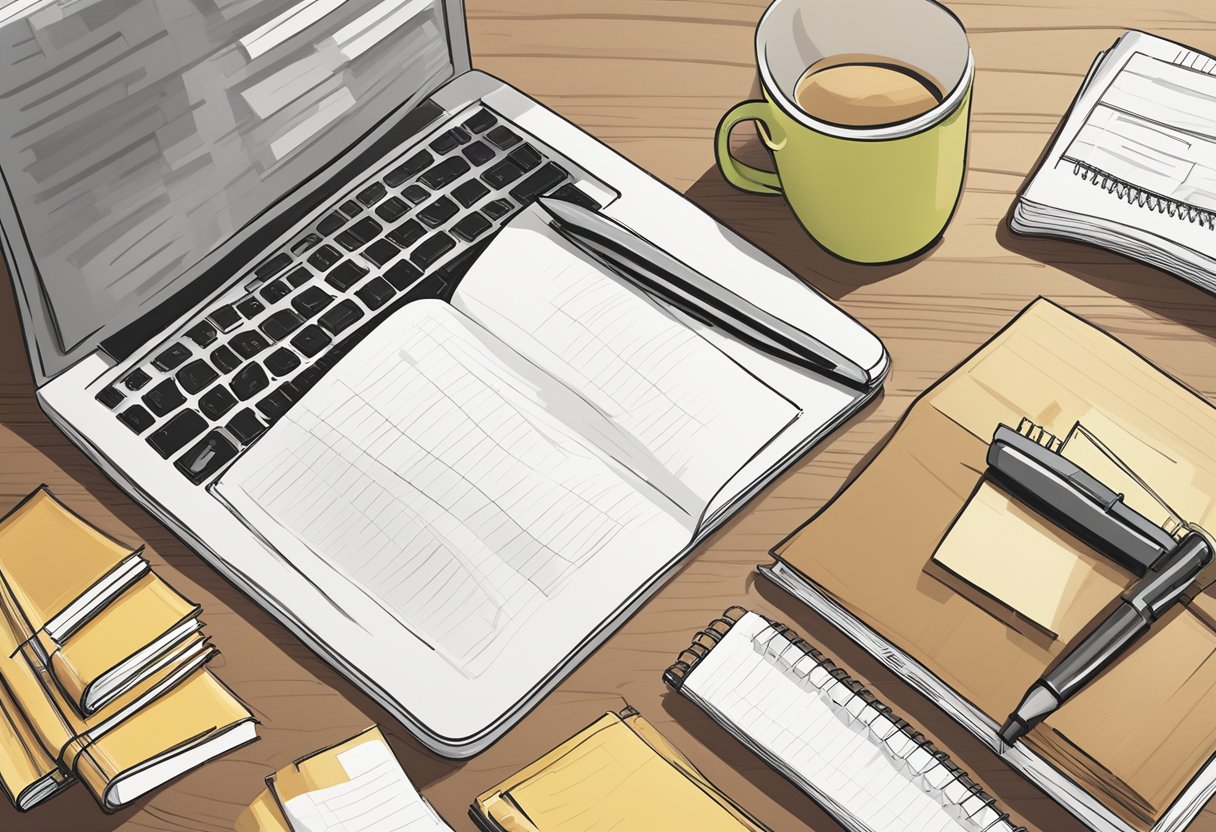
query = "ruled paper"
x=378 y=797
x=459 y=485
x=788 y=708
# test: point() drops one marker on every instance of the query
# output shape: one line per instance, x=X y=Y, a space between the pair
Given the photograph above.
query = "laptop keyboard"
x=203 y=397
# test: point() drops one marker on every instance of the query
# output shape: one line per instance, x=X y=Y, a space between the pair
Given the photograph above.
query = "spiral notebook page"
x=817 y=730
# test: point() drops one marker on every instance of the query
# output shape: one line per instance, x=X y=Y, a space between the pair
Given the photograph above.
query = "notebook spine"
x=1135 y=195
x=698 y=649
x=903 y=739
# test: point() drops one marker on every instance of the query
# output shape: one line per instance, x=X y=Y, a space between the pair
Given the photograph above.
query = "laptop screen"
x=136 y=136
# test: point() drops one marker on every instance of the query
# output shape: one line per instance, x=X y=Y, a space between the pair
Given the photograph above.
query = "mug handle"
x=742 y=175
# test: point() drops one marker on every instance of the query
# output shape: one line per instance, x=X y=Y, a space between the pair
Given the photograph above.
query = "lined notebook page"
x=848 y=756
x=378 y=797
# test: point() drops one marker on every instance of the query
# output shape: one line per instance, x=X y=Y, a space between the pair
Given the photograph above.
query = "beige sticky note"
x=1020 y=560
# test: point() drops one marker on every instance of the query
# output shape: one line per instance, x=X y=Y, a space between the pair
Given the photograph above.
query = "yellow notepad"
x=58 y=569
x=142 y=629
x=619 y=773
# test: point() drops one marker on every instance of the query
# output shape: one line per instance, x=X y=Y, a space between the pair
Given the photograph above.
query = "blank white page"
x=848 y=756
x=378 y=797
x=687 y=415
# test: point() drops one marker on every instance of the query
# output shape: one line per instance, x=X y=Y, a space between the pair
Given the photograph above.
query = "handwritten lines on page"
x=688 y=416
x=434 y=476
x=847 y=755
x=378 y=797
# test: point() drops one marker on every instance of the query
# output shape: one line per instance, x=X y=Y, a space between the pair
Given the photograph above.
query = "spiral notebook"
x=1133 y=166
x=825 y=732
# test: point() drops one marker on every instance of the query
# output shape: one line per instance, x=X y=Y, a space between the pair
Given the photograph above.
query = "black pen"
x=649 y=267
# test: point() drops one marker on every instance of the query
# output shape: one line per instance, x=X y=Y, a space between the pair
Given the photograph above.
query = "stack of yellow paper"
x=102 y=672
x=619 y=773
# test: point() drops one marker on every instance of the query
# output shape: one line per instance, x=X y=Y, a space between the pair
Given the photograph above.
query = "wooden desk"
x=651 y=78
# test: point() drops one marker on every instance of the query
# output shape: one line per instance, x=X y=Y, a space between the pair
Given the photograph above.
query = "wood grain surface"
x=651 y=78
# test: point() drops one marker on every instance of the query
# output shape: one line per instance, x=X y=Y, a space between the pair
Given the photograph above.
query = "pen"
x=655 y=271
x=1139 y=607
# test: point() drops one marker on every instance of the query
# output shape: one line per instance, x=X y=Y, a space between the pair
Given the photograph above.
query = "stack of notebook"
x=619 y=773
x=101 y=666
x=1133 y=750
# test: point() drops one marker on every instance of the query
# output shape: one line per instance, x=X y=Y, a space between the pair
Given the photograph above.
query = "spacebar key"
x=550 y=176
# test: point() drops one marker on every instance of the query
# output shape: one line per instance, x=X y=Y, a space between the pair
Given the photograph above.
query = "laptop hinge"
x=151 y=325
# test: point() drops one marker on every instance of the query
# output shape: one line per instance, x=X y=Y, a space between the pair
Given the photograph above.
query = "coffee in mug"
x=865 y=91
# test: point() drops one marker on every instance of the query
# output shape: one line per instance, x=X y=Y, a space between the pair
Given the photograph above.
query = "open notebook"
x=486 y=484
x=1133 y=167
x=826 y=732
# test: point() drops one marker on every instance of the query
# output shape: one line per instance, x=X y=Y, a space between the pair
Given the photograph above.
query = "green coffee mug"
x=867 y=194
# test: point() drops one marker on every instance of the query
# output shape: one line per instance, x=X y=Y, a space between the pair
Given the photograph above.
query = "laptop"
x=211 y=210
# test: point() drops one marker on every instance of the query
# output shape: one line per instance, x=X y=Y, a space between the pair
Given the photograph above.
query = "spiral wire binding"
x=1135 y=195
x=923 y=758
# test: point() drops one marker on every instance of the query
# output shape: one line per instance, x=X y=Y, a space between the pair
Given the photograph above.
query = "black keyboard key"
x=408 y=233
x=447 y=171
x=402 y=274
x=248 y=343
x=549 y=176
x=311 y=301
x=360 y=234
x=249 y=381
x=136 y=380
x=164 y=398
x=376 y=293
x=497 y=209
x=432 y=249
x=136 y=418
x=372 y=194
x=324 y=258
x=570 y=193
x=416 y=194
x=216 y=402
x=478 y=153
x=468 y=193
x=202 y=333
x=224 y=359
x=481 y=121
x=225 y=318
x=171 y=358
x=205 y=458
x=274 y=291
x=438 y=212
x=246 y=426
x=350 y=208
x=450 y=139
x=471 y=227
x=307 y=244
x=111 y=397
x=346 y=275
x=502 y=174
x=196 y=375
x=381 y=252
x=250 y=307
x=281 y=324
x=306 y=379
x=340 y=317
x=273 y=266
x=330 y=224
x=298 y=276
x=393 y=209
x=501 y=137
x=526 y=156
x=311 y=340
x=282 y=361
x=274 y=404
x=412 y=166
x=174 y=434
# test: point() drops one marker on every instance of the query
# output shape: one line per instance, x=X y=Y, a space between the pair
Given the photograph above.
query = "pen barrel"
x=1111 y=639
x=1156 y=593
